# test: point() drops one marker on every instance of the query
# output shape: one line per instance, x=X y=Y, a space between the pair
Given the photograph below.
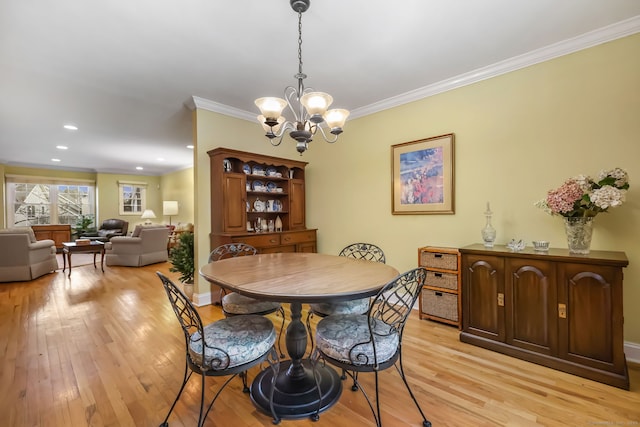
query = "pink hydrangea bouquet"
x=582 y=196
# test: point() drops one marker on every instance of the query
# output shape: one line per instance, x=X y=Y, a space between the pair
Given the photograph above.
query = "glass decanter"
x=488 y=232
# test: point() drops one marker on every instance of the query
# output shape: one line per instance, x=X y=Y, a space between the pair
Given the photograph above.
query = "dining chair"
x=366 y=251
x=372 y=342
x=235 y=304
x=226 y=347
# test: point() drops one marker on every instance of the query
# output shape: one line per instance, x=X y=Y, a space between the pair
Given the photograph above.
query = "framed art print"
x=422 y=176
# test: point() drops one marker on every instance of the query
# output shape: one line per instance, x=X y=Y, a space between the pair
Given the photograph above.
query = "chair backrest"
x=120 y=225
x=231 y=250
x=367 y=251
x=154 y=238
x=14 y=249
x=189 y=319
x=393 y=304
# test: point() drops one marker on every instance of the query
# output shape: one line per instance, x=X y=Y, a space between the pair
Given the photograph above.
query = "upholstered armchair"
x=147 y=245
x=22 y=257
x=108 y=229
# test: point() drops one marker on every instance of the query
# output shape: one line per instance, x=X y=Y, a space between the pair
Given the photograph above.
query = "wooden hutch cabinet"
x=556 y=309
x=247 y=187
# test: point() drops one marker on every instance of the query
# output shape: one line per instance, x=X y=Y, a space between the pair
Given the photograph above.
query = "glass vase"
x=579 y=232
x=488 y=232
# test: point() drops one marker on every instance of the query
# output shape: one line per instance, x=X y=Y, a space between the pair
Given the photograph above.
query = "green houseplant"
x=181 y=258
x=83 y=225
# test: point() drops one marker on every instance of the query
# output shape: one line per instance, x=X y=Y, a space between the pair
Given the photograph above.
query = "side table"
x=95 y=247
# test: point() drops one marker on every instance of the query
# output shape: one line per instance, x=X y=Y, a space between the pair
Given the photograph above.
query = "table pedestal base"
x=297 y=397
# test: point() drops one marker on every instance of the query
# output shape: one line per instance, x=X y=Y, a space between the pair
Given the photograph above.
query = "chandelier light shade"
x=170 y=208
x=310 y=109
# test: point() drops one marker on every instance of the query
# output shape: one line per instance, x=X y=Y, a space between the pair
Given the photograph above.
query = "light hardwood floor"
x=106 y=350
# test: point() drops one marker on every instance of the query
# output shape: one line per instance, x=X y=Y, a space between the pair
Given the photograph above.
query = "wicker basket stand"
x=440 y=299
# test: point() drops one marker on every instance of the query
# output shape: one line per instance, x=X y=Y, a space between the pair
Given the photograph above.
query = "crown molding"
x=593 y=38
x=216 y=107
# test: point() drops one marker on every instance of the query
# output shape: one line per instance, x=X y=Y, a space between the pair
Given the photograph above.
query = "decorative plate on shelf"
x=259 y=205
x=257 y=186
x=258 y=170
x=246 y=169
x=271 y=186
x=271 y=171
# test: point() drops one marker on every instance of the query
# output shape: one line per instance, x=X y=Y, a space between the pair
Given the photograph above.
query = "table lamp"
x=147 y=215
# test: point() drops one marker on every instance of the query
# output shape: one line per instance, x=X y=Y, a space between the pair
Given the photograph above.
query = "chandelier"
x=309 y=108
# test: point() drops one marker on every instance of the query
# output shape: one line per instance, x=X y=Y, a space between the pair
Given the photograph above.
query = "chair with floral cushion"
x=226 y=347
x=366 y=251
x=372 y=342
x=234 y=304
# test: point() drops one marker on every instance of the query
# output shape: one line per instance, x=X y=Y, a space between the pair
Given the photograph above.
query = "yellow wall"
x=178 y=186
x=212 y=130
x=108 y=193
x=517 y=136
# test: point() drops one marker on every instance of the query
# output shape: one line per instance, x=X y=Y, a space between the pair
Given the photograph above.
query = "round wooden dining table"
x=297 y=278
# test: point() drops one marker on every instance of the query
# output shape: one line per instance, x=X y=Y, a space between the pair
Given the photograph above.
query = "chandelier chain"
x=300 y=42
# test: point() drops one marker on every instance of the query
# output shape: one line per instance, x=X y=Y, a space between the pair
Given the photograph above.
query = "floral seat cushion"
x=358 y=306
x=233 y=341
x=234 y=303
x=345 y=337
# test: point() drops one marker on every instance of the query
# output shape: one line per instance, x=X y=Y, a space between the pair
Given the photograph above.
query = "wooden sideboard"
x=553 y=308
x=57 y=232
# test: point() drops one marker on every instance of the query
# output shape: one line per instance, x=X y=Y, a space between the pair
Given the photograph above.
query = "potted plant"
x=83 y=225
x=181 y=258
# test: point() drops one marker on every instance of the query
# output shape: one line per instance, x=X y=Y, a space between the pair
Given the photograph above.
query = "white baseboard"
x=632 y=351
x=200 y=300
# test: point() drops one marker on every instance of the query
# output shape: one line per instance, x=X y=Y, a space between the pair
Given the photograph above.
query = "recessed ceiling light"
x=62 y=147
x=160 y=159
x=139 y=168
x=55 y=160
x=190 y=147
x=71 y=127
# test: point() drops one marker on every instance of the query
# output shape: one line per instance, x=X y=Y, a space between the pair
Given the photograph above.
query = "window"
x=39 y=200
x=132 y=197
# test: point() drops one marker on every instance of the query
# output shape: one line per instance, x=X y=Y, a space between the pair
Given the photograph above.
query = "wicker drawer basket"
x=442 y=280
x=440 y=304
x=441 y=260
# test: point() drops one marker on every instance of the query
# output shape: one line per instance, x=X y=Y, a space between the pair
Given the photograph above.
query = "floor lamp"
x=169 y=208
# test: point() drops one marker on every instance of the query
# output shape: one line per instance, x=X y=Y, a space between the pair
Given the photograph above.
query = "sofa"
x=22 y=257
x=147 y=245
x=108 y=229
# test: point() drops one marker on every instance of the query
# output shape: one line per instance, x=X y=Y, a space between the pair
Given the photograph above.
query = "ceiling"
x=123 y=71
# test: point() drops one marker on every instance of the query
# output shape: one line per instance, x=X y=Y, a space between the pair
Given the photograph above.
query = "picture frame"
x=423 y=176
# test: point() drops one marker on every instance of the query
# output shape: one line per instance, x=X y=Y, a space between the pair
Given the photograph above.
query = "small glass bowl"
x=541 y=245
